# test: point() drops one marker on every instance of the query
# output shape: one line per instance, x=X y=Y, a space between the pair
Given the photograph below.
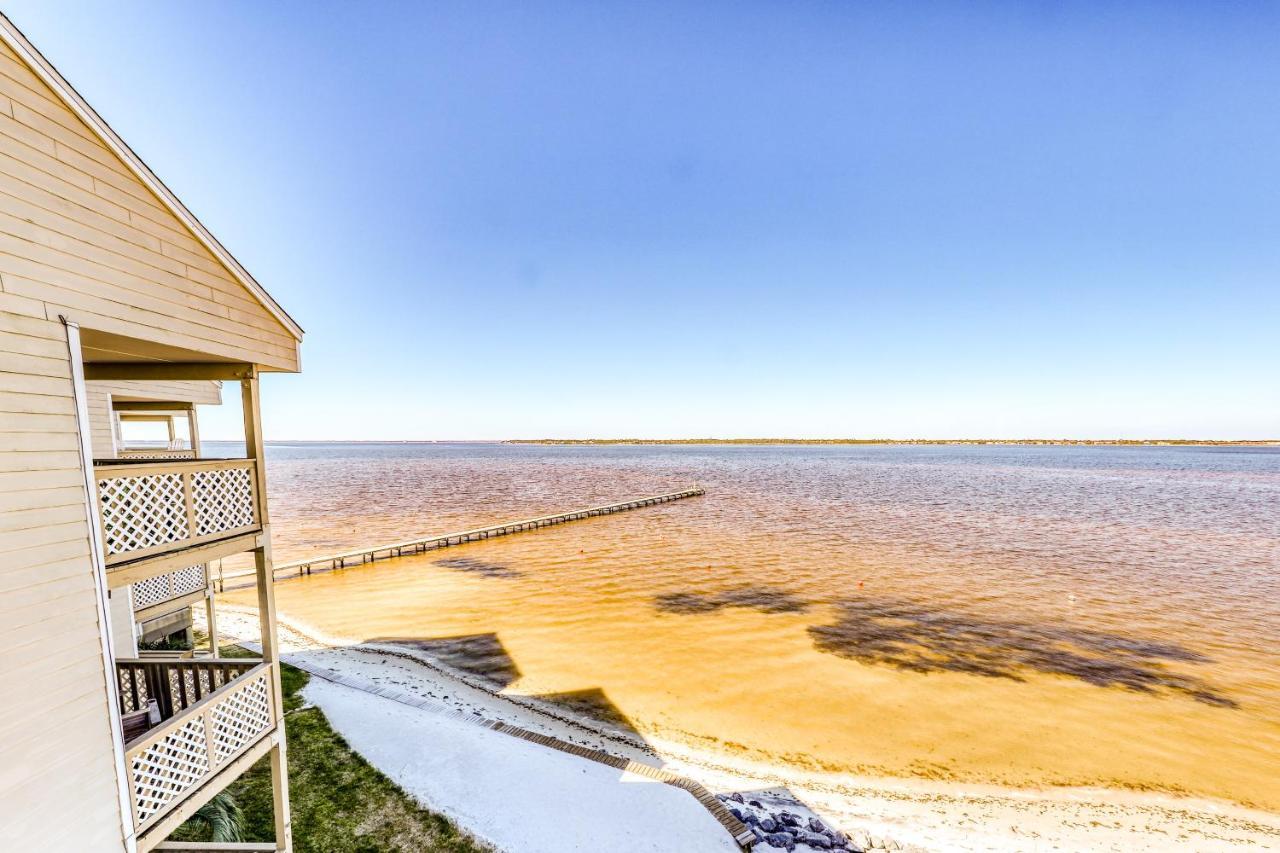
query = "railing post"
x=207 y=718
x=280 y=794
x=189 y=499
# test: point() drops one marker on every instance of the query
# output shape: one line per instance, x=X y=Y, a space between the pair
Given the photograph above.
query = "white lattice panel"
x=223 y=498
x=188 y=580
x=161 y=588
x=151 y=591
x=241 y=717
x=130 y=681
x=142 y=511
x=169 y=767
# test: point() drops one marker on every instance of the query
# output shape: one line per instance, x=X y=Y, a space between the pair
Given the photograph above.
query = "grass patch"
x=340 y=803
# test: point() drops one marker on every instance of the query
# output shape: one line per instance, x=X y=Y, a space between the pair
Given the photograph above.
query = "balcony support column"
x=193 y=431
x=255 y=450
x=280 y=795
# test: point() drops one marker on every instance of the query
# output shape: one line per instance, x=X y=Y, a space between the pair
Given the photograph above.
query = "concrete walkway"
x=513 y=793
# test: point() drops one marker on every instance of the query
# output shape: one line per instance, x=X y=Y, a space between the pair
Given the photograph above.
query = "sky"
x=674 y=220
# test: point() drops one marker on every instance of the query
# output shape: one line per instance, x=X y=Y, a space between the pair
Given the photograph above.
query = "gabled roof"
x=17 y=42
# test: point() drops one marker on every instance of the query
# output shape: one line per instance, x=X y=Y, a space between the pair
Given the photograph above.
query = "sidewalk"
x=513 y=793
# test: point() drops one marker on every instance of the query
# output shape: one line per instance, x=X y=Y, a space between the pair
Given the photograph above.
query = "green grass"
x=340 y=802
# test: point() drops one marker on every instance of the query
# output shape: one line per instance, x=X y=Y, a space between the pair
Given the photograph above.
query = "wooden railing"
x=157 y=590
x=178 y=756
x=175 y=684
x=153 y=508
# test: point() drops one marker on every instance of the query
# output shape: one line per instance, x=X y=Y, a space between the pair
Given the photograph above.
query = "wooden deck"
x=360 y=556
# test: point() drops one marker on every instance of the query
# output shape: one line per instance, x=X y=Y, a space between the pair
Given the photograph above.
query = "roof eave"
x=44 y=69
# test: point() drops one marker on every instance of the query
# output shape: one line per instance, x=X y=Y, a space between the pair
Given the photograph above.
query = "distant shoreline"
x=1085 y=442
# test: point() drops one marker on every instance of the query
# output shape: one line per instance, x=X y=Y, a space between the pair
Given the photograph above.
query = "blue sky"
x=503 y=220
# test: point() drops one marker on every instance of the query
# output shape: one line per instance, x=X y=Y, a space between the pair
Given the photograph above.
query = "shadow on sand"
x=592 y=703
x=481 y=655
x=485 y=657
x=920 y=639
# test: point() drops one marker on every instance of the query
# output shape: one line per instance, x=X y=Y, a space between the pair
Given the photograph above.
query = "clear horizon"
x=802 y=220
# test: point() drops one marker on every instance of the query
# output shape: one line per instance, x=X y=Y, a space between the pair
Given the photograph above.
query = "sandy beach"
x=925 y=814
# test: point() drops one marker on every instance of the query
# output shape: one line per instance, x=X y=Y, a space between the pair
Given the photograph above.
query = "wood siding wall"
x=102 y=437
x=57 y=778
x=80 y=233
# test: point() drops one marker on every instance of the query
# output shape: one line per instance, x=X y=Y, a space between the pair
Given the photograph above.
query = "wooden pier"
x=360 y=556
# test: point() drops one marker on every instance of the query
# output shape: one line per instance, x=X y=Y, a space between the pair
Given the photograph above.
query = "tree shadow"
x=915 y=638
x=485 y=657
x=763 y=599
x=479 y=567
x=481 y=655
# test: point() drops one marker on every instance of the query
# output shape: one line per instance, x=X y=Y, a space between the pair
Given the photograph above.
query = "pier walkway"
x=300 y=568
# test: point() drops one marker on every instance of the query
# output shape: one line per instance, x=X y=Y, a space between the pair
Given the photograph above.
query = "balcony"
x=215 y=719
x=166 y=593
x=150 y=429
x=190 y=726
x=153 y=510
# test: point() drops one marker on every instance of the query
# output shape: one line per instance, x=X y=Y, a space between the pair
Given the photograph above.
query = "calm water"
x=1012 y=615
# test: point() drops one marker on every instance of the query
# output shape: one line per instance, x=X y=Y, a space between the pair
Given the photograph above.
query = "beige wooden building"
x=118 y=312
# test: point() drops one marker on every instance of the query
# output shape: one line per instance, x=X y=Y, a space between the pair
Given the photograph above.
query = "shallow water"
x=1018 y=615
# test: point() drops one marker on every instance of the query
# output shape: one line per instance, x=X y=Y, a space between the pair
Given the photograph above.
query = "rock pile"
x=787 y=830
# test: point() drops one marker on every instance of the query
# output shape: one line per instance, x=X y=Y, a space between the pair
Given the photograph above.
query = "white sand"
x=932 y=815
